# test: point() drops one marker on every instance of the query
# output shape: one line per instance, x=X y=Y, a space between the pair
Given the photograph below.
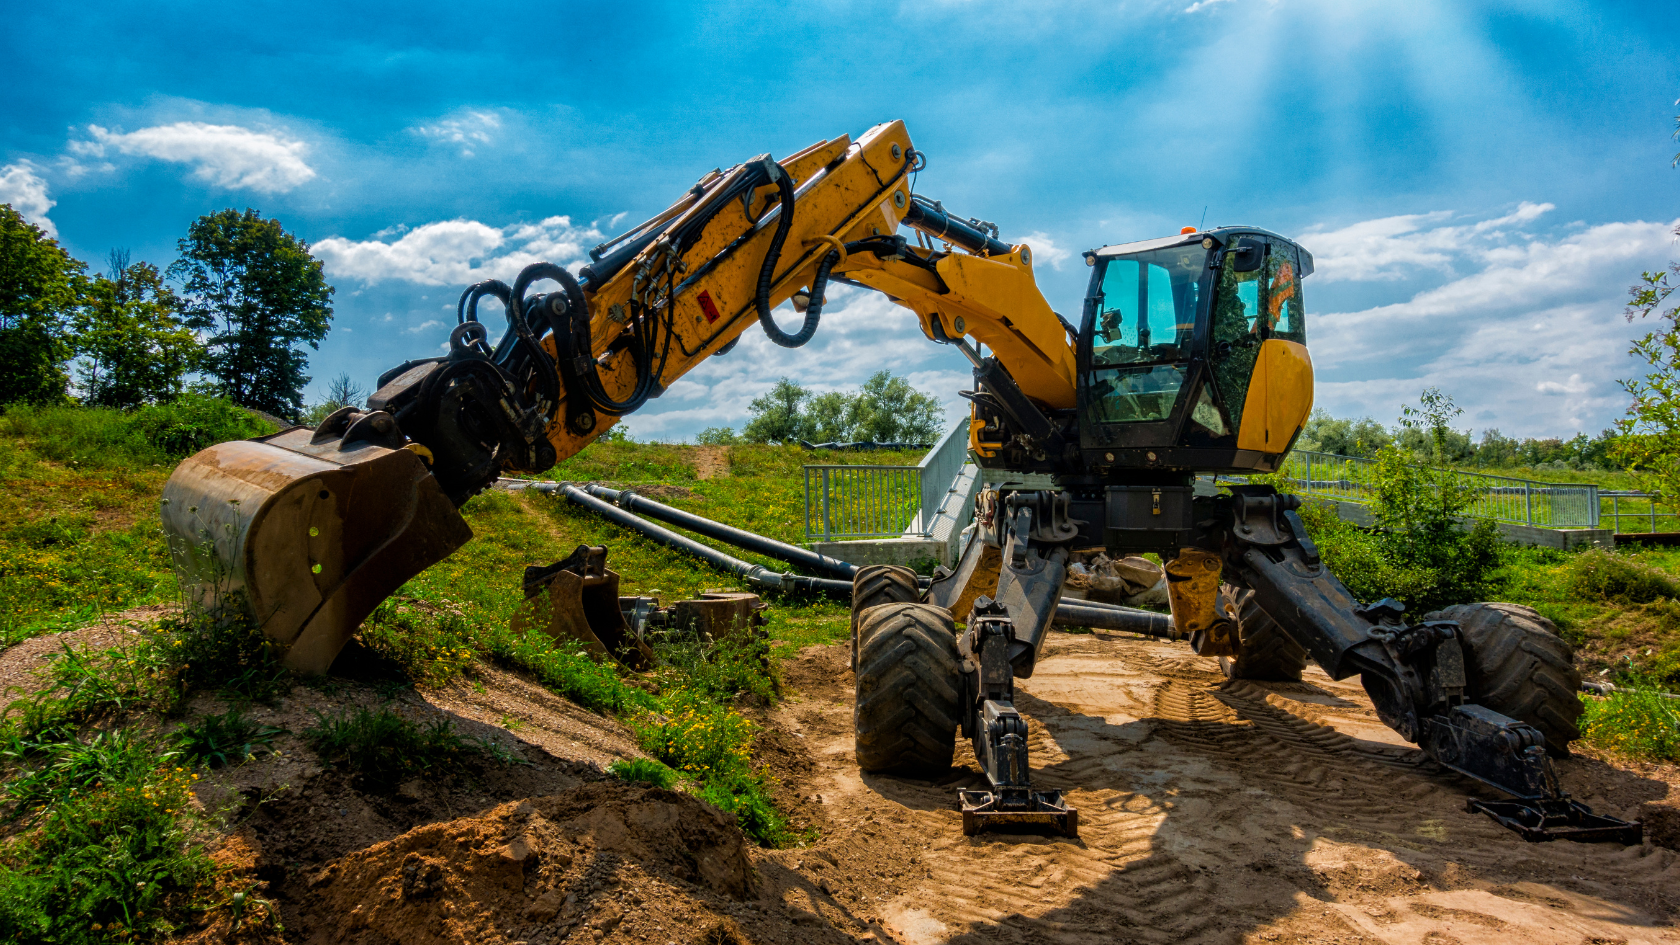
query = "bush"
x=193 y=422
x=432 y=646
x=218 y=647
x=1604 y=574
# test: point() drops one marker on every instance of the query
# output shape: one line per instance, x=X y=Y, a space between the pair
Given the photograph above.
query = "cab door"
x=1259 y=358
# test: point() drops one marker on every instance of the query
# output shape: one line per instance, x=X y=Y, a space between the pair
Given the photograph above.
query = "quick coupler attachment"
x=1510 y=756
x=1001 y=749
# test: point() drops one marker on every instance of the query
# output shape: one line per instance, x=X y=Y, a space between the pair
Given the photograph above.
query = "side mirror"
x=1248 y=255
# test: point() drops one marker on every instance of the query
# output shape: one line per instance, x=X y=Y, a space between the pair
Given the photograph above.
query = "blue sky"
x=1480 y=182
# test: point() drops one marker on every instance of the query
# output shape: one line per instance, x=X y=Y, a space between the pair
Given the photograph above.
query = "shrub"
x=97 y=437
x=217 y=647
x=192 y=422
x=432 y=646
x=1604 y=574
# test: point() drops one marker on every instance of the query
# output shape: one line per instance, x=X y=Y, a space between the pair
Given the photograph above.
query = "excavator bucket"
x=308 y=531
x=576 y=599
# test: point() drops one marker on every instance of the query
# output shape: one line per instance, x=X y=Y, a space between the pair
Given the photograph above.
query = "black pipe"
x=792 y=554
x=931 y=219
x=755 y=574
x=1072 y=613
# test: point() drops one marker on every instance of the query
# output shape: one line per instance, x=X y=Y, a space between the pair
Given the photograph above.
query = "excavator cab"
x=1192 y=353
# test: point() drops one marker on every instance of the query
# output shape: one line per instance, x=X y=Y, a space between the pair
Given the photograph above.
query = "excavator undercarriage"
x=1010 y=578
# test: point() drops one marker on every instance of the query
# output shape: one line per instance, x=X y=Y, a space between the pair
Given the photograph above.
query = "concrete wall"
x=1563 y=538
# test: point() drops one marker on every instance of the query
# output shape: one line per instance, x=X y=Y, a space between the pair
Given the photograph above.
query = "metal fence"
x=861 y=501
x=1640 y=512
x=882 y=501
x=1501 y=498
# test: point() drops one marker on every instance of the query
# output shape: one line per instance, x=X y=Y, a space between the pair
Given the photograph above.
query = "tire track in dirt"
x=1227 y=811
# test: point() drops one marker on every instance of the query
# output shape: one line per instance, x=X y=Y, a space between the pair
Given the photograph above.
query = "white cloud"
x=229 y=156
x=1393 y=248
x=455 y=252
x=21 y=187
x=1045 y=249
x=1202 y=5
x=468 y=128
x=1528 y=337
x=424 y=326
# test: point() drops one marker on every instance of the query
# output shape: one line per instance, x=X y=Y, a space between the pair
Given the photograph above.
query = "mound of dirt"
x=534 y=870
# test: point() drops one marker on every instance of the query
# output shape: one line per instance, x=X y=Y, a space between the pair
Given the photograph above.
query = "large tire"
x=908 y=690
x=877 y=584
x=1518 y=666
x=1265 y=653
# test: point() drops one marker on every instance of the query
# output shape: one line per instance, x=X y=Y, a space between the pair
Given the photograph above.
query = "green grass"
x=643 y=771
x=216 y=741
x=1635 y=721
x=382 y=748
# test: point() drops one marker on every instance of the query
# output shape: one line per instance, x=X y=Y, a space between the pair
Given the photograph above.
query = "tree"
x=341 y=392
x=1648 y=441
x=889 y=410
x=133 y=349
x=1327 y=434
x=776 y=416
x=39 y=286
x=259 y=293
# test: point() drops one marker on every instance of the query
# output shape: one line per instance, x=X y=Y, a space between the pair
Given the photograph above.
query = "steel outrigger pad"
x=1008 y=807
x=1559 y=819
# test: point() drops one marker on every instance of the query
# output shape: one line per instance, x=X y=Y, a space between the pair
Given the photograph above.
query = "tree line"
x=1367 y=437
x=885 y=409
x=234 y=310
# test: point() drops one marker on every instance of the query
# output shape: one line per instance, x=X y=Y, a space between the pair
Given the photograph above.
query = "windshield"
x=1250 y=308
x=1146 y=318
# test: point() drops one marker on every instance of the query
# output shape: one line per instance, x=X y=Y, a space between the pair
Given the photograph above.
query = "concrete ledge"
x=905 y=551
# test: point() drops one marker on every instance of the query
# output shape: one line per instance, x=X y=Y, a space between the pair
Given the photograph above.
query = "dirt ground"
x=1216 y=811
x=1210 y=811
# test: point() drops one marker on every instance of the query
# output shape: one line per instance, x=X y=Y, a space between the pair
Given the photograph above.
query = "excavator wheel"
x=1264 y=652
x=908 y=690
x=877 y=584
x=1517 y=665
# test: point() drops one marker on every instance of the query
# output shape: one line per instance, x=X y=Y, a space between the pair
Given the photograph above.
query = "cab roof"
x=1222 y=235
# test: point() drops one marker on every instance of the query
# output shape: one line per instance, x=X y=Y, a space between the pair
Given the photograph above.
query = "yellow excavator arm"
x=309 y=529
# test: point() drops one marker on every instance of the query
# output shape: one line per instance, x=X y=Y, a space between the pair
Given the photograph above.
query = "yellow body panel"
x=1280 y=397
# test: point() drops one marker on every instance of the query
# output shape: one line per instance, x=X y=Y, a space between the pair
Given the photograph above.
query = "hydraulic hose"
x=755 y=574
x=792 y=554
x=767 y=274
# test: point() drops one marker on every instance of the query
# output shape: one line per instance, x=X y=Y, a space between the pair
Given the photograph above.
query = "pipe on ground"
x=769 y=547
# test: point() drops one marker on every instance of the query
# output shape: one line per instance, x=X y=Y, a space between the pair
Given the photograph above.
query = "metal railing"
x=882 y=501
x=861 y=501
x=1501 y=498
x=1648 y=516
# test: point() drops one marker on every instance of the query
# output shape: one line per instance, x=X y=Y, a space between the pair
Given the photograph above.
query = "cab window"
x=1142 y=332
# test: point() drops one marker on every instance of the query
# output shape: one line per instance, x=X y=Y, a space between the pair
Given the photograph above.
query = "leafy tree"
x=39 y=286
x=1327 y=434
x=889 y=410
x=133 y=349
x=1649 y=436
x=259 y=293
x=717 y=436
x=830 y=418
x=776 y=416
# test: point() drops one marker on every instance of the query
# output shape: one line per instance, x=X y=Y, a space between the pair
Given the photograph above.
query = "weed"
x=643 y=771
x=1637 y=721
x=229 y=738
x=432 y=645
x=83 y=686
x=107 y=858
x=383 y=747
x=219 y=648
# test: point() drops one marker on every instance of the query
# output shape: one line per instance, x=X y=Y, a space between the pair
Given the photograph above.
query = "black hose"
x=792 y=554
x=755 y=574
x=767 y=274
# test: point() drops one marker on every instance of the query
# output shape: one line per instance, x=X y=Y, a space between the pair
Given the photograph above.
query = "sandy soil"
x=1211 y=811
x=1221 y=812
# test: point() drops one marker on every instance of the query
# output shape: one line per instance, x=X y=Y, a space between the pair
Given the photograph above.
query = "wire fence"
x=1500 y=498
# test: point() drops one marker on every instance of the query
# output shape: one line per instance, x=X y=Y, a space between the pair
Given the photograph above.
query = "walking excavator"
x=1189 y=357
